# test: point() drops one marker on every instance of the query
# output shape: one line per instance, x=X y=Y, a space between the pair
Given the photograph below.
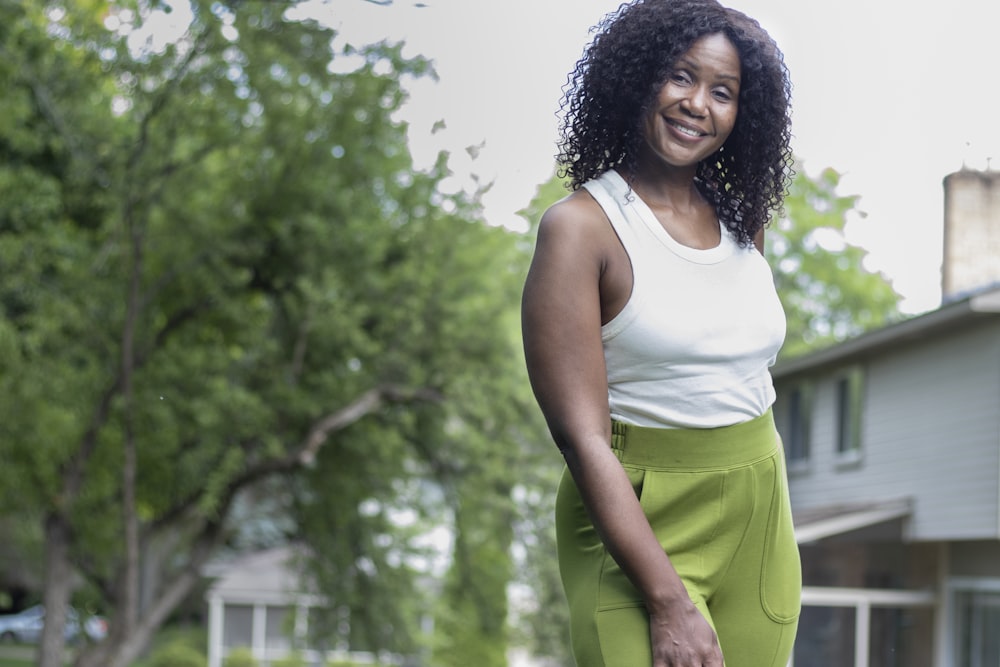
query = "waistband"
x=691 y=449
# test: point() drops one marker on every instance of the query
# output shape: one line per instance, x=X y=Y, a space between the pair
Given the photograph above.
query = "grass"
x=23 y=655
x=19 y=662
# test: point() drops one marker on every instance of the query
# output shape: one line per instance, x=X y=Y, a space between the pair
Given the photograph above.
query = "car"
x=26 y=626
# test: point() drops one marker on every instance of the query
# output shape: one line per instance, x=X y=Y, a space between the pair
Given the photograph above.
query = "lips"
x=686 y=130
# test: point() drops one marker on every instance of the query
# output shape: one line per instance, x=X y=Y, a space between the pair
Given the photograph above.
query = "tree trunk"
x=58 y=582
x=129 y=609
x=121 y=650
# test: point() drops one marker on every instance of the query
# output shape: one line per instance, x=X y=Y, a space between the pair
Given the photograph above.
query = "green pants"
x=717 y=500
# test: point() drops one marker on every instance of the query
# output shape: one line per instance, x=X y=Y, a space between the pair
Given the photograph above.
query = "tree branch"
x=305 y=455
x=367 y=403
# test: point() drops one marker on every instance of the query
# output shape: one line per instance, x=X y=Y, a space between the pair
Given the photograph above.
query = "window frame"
x=979 y=592
x=795 y=407
x=849 y=404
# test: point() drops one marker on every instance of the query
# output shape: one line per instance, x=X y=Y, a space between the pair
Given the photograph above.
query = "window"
x=278 y=627
x=793 y=417
x=978 y=625
x=865 y=627
x=850 y=401
x=825 y=637
x=238 y=625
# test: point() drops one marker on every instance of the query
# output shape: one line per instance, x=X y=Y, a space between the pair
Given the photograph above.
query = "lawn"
x=18 y=655
x=18 y=662
x=23 y=655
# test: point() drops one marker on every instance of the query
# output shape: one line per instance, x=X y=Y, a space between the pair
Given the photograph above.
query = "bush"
x=294 y=659
x=240 y=657
x=177 y=654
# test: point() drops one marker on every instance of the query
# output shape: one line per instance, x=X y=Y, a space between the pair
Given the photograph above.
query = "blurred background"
x=262 y=398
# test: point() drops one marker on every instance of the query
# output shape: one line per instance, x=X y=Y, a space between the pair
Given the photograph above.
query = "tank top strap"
x=613 y=195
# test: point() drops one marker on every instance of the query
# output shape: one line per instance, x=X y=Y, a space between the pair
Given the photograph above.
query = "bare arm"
x=561 y=320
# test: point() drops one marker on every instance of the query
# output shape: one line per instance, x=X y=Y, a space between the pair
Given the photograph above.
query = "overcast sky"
x=893 y=94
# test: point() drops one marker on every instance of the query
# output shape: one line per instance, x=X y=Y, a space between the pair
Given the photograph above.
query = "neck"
x=666 y=184
x=670 y=188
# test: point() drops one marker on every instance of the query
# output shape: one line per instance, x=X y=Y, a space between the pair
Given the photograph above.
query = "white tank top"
x=693 y=346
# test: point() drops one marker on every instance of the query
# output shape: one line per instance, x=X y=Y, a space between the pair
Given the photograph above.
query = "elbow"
x=577 y=445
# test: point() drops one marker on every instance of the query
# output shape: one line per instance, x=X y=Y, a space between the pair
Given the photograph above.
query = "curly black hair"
x=626 y=65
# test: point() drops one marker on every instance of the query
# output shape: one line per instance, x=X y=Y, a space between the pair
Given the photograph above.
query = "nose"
x=696 y=102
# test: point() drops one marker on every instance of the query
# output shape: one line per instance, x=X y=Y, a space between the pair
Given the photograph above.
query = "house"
x=258 y=601
x=262 y=601
x=892 y=442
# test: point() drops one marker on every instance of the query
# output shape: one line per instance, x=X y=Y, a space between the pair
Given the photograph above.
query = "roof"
x=273 y=576
x=947 y=317
x=819 y=523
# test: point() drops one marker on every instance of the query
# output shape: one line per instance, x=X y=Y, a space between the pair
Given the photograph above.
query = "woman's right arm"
x=561 y=326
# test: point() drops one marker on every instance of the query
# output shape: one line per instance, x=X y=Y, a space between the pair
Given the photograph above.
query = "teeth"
x=686 y=130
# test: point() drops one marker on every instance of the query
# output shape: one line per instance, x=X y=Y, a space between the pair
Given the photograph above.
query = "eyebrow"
x=694 y=66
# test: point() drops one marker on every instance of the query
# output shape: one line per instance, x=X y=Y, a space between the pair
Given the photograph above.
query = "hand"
x=681 y=637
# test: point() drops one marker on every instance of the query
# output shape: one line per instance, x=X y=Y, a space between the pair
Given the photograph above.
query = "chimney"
x=971 y=233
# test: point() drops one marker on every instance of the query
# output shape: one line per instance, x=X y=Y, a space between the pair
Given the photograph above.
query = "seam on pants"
x=746 y=526
x=769 y=540
x=720 y=512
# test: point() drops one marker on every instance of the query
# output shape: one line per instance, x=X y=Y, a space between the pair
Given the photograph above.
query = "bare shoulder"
x=577 y=221
x=578 y=210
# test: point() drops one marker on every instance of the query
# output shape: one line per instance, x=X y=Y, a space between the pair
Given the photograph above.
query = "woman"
x=650 y=321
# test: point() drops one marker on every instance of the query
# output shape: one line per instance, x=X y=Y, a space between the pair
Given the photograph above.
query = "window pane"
x=901 y=638
x=850 y=405
x=978 y=629
x=279 y=629
x=791 y=415
x=237 y=628
x=825 y=637
x=795 y=425
x=843 y=415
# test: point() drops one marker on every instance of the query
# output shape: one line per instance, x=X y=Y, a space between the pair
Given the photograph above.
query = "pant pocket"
x=623 y=634
x=781 y=570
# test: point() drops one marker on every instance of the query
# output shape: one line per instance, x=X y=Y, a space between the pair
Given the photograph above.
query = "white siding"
x=930 y=432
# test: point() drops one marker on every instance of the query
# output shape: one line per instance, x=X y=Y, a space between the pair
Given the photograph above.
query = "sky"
x=892 y=94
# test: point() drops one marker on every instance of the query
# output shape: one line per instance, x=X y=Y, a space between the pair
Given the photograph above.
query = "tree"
x=827 y=292
x=222 y=276
x=542 y=621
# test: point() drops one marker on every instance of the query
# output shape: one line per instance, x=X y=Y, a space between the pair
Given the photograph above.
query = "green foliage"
x=176 y=639
x=290 y=259
x=240 y=657
x=541 y=622
x=294 y=659
x=827 y=292
x=176 y=654
x=471 y=617
x=547 y=194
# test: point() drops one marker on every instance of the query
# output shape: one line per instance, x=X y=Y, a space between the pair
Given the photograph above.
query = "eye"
x=680 y=77
x=722 y=94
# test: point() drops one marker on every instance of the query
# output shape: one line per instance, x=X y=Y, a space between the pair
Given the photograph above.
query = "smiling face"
x=695 y=110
